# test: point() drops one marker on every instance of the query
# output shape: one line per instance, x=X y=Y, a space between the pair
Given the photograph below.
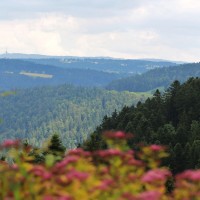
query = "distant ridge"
x=164 y=60
x=30 y=70
x=40 y=56
x=156 y=78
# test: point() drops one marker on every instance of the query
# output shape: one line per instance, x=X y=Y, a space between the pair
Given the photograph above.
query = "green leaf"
x=49 y=160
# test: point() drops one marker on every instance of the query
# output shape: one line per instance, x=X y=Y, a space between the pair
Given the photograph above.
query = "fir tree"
x=56 y=147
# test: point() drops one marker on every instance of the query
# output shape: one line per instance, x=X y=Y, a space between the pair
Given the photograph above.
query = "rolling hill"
x=25 y=74
x=126 y=67
x=106 y=64
x=155 y=78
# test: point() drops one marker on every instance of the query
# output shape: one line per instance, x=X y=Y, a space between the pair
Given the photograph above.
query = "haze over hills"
x=24 y=74
x=107 y=64
x=39 y=56
x=120 y=66
x=24 y=71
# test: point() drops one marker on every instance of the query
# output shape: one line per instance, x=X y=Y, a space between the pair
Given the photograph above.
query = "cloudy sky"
x=167 y=29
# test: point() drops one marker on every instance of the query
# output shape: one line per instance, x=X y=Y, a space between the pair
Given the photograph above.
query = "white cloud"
x=43 y=35
x=118 y=28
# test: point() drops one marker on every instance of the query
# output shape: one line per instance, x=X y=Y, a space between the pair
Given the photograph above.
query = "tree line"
x=171 y=118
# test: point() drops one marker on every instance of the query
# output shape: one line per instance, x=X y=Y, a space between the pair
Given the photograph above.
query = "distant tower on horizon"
x=6 y=54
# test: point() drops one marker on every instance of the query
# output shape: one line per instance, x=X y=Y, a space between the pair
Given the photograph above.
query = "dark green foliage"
x=38 y=155
x=56 y=147
x=171 y=119
x=195 y=153
x=156 y=78
x=73 y=112
x=179 y=158
x=2 y=158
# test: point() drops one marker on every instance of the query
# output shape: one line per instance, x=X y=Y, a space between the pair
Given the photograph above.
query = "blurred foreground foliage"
x=115 y=173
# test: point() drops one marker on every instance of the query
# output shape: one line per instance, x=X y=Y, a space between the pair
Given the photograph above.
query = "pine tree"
x=56 y=147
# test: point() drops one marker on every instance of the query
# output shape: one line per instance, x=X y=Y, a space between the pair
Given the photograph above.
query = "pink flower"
x=73 y=174
x=135 y=162
x=193 y=175
x=132 y=177
x=46 y=176
x=104 y=170
x=10 y=143
x=156 y=147
x=105 y=184
x=130 y=152
x=156 y=175
x=15 y=167
x=79 y=152
x=48 y=198
x=40 y=171
x=57 y=198
x=149 y=195
x=129 y=196
x=108 y=153
x=117 y=135
x=66 y=161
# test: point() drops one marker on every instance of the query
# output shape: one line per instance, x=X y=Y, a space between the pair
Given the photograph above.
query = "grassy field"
x=36 y=74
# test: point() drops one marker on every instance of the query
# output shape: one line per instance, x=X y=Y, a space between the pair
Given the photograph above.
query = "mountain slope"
x=171 y=119
x=160 y=77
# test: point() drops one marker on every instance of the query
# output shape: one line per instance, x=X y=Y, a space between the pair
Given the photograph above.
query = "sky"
x=162 y=29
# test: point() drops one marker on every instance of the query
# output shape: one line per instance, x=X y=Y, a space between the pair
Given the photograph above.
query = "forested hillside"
x=171 y=119
x=159 y=77
x=73 y=112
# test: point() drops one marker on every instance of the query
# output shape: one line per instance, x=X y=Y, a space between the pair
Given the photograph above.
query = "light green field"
x=36 y=74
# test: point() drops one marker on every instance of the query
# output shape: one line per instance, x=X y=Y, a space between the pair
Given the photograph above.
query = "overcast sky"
x=167 y=29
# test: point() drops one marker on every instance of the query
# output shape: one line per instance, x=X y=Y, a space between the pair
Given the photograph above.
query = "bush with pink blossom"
x=117 y=173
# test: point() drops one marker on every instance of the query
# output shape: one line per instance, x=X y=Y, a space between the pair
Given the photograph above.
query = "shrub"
x=115 y=173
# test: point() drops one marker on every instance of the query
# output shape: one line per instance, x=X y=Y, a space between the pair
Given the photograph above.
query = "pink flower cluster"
x=79 y=152
x=108 y=153
x=191 y=175
x=156 y=147
x=73 y=175
x=40 y=171
x=117 y=135
x=10 y=143
x=156 y=175
x=65 y=162
x=115 y=173
x=148 y=195
x=57 y=198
